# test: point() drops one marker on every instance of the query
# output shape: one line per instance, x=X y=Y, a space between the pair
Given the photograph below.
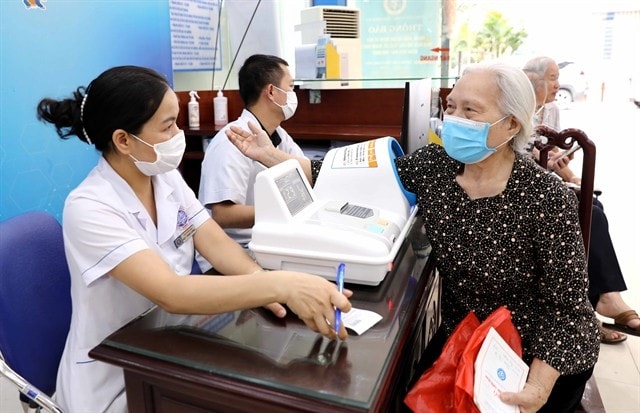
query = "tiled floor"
x=613 y=126
x=617 y=375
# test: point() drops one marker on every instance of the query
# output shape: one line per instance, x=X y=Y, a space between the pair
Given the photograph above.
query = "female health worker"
x=131 y=229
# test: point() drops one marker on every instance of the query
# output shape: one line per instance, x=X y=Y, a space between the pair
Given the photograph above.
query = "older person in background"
x=482 y=198
x=606 y=280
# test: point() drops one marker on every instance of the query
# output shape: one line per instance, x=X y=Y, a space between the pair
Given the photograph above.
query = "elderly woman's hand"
x=558 y=160
x=530 y=399
x=537 y=389
x=558 y=163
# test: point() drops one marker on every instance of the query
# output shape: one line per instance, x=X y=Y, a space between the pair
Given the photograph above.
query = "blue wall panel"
x=48 y=53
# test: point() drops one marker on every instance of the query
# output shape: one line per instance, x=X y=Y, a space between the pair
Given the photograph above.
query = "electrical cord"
x=215 y=53
x=241 y=41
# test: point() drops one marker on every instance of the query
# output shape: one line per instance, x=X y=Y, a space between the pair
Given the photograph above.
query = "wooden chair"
x=547 y=139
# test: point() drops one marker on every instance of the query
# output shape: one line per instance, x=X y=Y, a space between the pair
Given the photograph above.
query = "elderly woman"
x=606 y=280
x=503 y=232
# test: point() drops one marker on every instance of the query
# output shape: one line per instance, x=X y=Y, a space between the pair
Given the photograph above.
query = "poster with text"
x=195 y=35
x=399 y=37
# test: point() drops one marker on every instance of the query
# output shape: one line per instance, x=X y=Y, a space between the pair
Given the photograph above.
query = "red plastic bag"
x=447 y=386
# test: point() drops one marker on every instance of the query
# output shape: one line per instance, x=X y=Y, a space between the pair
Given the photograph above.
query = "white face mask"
x=168 y=155
x=290 y=107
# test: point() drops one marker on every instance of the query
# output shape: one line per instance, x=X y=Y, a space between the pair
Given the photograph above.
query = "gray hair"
x=516 y=98
x=537 y=81
x=538 y=65
x=535 y=69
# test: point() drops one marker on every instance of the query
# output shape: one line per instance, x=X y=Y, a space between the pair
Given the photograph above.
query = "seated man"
x=227 y=176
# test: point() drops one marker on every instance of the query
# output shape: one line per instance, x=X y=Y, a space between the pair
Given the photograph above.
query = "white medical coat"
x=228 y=175
x=103 y=224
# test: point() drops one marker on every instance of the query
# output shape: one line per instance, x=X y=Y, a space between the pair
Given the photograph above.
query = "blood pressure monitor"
x=293 y=190
x=358 y=214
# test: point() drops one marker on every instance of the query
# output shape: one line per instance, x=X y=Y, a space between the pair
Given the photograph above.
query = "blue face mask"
x=465 y=140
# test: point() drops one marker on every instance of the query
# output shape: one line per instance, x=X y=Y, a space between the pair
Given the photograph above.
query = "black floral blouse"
x=522 y=249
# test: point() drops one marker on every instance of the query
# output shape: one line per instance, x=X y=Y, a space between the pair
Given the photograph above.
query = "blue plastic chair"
x=35 y=304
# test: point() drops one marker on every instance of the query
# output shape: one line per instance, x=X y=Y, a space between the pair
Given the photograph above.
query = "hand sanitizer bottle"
x=220 y=114
x=194 y=111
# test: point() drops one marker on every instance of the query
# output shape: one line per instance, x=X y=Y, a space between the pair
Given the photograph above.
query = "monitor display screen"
x=294 y=192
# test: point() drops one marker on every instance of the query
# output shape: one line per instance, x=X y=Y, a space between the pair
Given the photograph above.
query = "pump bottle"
x=220 y=114
x=194 y=111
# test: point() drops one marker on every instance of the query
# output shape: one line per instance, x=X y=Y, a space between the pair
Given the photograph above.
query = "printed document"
x=497 y=369
x=359 y=320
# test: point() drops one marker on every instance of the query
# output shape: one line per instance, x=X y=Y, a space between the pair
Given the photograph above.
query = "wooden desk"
x=250 y=361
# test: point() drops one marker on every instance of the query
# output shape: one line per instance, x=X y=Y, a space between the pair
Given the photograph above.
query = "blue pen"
x=340 y=282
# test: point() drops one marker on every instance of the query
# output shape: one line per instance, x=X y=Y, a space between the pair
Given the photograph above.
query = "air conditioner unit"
x=343 y=25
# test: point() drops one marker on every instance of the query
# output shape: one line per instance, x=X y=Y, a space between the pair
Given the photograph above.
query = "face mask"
x=168 y=155
x=290 y=107
x=465 y=140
